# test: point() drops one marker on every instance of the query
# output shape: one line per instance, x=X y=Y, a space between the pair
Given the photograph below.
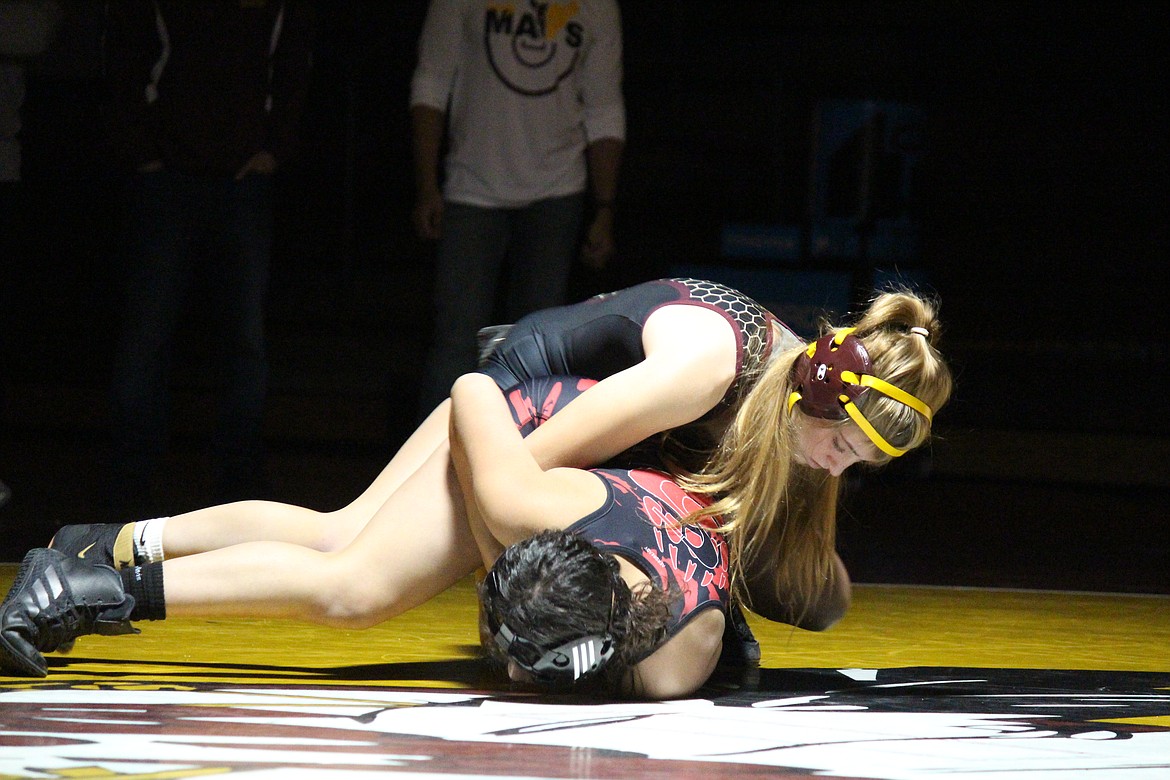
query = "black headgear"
x=564 y=664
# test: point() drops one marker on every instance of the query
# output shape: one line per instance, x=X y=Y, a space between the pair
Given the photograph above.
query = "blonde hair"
x=766 y=499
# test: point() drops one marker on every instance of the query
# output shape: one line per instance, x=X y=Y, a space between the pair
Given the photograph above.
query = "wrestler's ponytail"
x=900 y=330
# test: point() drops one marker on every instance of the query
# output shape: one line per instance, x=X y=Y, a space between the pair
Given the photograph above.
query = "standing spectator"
x=528 y=97
x=26 y=30
x=206 y=99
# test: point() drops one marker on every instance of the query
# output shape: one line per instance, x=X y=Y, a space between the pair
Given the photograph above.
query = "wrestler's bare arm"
x=513 y=497
x=680 y=666
x=690 y=363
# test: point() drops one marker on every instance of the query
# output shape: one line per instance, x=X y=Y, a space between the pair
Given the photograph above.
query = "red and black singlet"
x=641 y=520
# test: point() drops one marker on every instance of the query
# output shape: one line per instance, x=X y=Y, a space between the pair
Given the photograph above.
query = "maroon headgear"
x=831 y=375
x=817 y=375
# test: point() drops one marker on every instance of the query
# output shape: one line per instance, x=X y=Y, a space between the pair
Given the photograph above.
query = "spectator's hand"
x=154 y=166
x=428 y=214
x=263 y=163
x=598 y=247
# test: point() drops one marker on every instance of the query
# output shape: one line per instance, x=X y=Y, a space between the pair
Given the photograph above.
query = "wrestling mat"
x=914 y=683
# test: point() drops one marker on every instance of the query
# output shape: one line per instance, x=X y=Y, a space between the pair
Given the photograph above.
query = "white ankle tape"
x=148 y=539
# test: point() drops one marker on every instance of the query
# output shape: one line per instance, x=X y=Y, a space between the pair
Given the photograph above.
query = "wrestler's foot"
x=740 y=645
x=98 y=544
x=488 y=339
x=54 y=600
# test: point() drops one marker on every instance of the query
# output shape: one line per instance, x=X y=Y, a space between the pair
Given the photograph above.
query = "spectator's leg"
x=157 y=278
x=467 y=272
x=241 y=280
x=546 y=241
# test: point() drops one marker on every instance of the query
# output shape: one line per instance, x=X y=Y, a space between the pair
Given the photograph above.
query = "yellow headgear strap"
x=839 y=337
x=870 y=431
x=885 y=388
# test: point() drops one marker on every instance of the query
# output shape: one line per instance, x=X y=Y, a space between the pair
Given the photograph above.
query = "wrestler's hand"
x=599 y=246
x=428 y=214
x=263 y=163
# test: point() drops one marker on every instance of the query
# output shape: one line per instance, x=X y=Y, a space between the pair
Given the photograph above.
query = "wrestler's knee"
x=352 y=600
x=339 y=528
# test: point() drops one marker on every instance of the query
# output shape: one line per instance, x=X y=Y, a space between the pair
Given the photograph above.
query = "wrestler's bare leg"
x=224 y=525
x=415 y=546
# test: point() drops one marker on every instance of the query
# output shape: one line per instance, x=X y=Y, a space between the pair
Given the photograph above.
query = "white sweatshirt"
x=524 y=91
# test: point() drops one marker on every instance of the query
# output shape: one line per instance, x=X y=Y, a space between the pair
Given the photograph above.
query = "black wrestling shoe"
x=54 y=600
x=97 y=544
x=740 y=646
x=487 y=339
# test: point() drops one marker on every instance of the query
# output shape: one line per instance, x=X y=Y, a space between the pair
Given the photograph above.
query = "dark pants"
x=183 y=229
x=531 y=248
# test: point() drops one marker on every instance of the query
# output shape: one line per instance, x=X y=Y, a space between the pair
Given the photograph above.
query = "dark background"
x=1040 y=199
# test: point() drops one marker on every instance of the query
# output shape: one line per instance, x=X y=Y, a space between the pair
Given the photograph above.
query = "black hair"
x=555 y=588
